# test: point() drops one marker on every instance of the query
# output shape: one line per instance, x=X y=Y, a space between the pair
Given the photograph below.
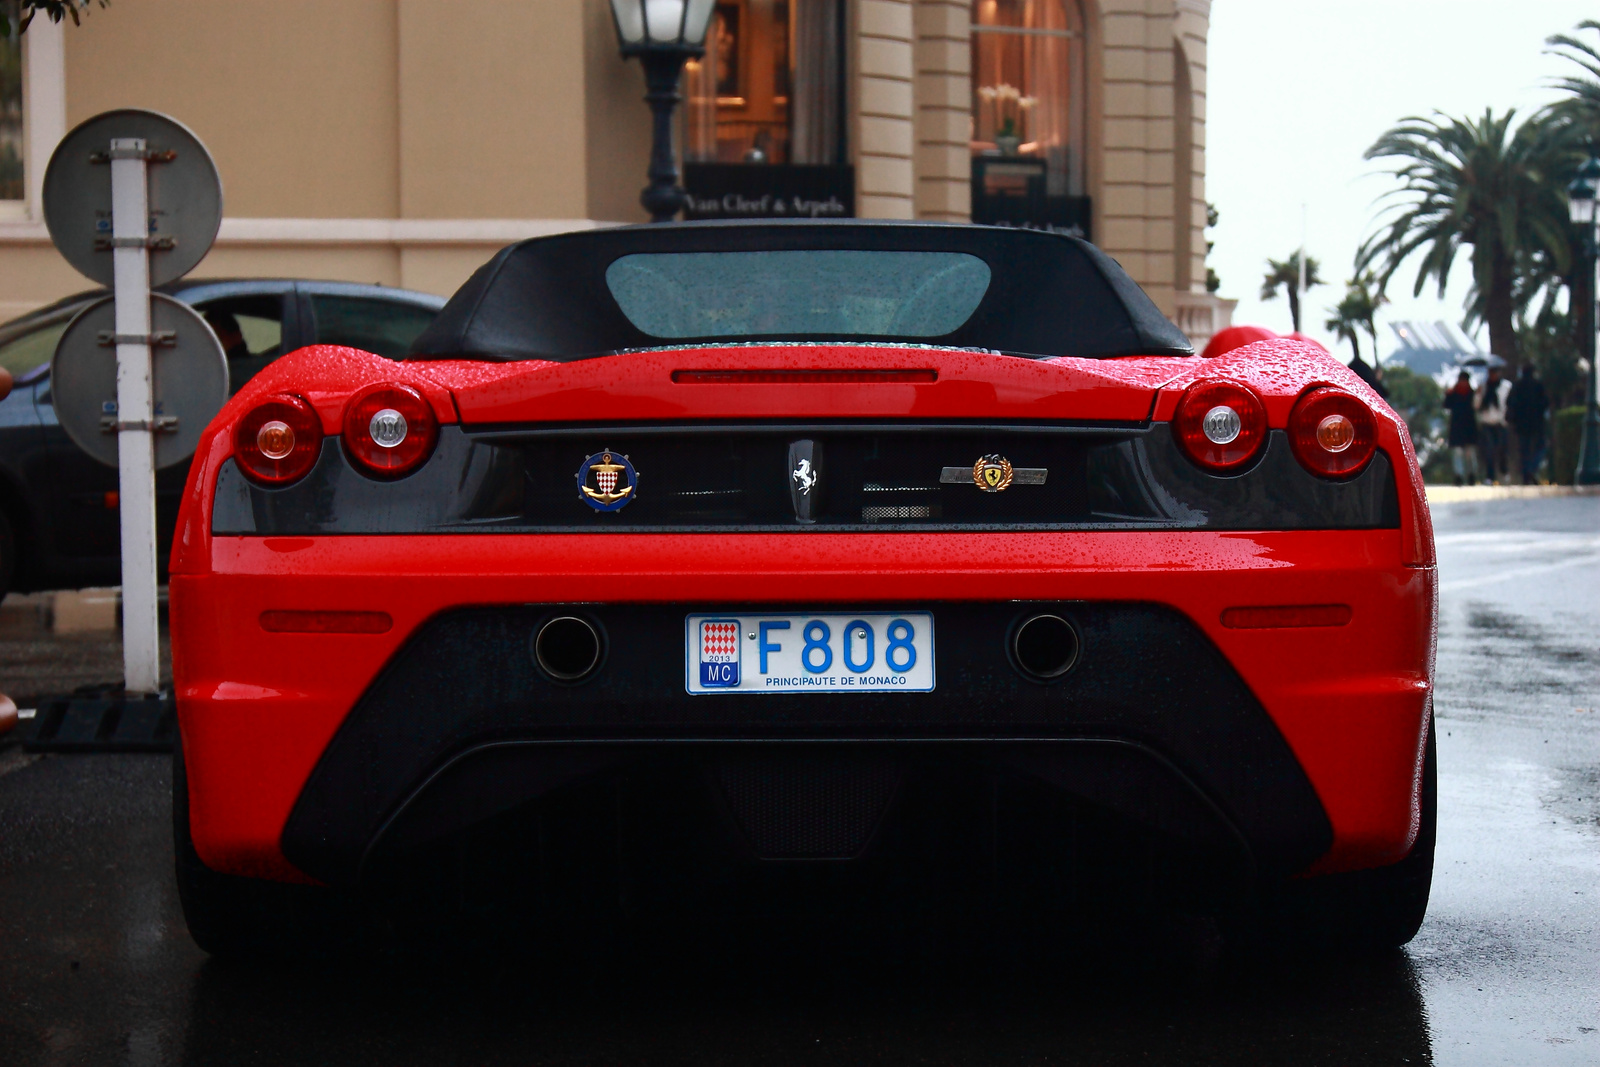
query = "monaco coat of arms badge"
x=607 y=481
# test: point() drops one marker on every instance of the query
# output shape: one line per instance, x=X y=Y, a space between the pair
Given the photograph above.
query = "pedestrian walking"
x=1463 y=429
x=1492 y=426
x=1526 y=407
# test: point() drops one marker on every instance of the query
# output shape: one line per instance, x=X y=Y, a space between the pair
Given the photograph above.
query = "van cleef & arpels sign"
x=768 y=191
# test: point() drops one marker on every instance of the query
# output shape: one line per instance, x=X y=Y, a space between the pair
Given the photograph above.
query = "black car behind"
x=58 y=507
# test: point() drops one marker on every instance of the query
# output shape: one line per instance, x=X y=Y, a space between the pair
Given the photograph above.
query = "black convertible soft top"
x=1047 y=295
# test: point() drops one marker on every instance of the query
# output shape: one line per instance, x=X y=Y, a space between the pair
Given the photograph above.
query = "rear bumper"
x=301 y=747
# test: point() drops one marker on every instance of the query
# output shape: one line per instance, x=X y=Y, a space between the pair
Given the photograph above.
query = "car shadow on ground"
x=495 y=949
x=1163 y=994
x=99 y=968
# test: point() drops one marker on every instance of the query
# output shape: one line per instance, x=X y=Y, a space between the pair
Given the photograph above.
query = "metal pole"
x=841 y=34
x=663 y=198
x=130 y=230
x=1588 y=470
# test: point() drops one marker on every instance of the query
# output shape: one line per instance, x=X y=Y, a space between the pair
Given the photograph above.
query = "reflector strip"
x=326 y=622
x=1290 y=615
x=803 y=377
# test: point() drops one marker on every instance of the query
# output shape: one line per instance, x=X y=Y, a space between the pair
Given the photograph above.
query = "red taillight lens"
x=1287 y=616
x=1220 y=424
x=1333 y=434
x=803 y=377
x=326 y=622
x=278 y=440
x=389 y=429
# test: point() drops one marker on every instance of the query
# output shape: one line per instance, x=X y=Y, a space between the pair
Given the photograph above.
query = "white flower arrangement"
x=1009 y=107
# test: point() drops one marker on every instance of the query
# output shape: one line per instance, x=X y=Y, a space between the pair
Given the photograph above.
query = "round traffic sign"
x=185 y=194
x=191 y=379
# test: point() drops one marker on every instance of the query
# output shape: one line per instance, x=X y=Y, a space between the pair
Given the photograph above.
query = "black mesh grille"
x=467 y=681
x=814 y=806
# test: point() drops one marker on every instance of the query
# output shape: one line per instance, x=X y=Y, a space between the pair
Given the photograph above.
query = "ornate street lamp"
x=1581 y=205
x=664 y=34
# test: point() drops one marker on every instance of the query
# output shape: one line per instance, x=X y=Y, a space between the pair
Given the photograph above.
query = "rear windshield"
x=809 y=293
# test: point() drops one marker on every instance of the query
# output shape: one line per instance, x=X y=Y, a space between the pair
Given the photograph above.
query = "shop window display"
x=767 y=89
x=1028 y=113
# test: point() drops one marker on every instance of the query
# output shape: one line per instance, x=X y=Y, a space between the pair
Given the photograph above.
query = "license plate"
x=858 y=652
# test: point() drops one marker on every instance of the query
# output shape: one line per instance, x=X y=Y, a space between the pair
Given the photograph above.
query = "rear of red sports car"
x=807 y=516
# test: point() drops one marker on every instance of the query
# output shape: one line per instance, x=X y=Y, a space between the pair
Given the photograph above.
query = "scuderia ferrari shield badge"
x=607 y=481
x=992 y=473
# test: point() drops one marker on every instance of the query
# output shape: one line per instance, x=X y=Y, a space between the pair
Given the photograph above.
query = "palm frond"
x=1582 y=105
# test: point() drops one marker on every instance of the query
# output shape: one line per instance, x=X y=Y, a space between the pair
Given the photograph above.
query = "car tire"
x=233 y=916
x=1371 y=911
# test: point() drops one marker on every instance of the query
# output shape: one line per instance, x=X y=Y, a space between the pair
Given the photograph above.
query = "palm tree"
x=1582 y=105
x=1357 y=312
x=1579 y=113
x=1484 y=183
x=1287 y=275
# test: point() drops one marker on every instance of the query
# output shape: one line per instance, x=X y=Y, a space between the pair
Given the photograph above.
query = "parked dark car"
x=58 y=507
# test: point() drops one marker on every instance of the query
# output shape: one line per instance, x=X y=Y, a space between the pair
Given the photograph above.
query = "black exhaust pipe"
x=567 y=648
x=1044 y=647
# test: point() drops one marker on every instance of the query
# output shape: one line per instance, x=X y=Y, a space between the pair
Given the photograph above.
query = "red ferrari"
x=820 y=521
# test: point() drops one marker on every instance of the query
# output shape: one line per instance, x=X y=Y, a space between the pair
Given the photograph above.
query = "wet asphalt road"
x=96 y=967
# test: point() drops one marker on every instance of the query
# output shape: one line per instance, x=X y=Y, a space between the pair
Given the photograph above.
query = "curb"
x=1459 y=494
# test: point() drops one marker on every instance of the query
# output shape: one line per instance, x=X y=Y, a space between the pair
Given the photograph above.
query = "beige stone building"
x=403 y=141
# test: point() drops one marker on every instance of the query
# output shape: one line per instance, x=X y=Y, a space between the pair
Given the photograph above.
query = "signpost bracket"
x=155 y=338
x=149 y=155
x=108 y=244
x=159 y=424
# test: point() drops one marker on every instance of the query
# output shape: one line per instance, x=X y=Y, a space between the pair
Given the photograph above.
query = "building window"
x=12 y=186
x=1028 y=113
x=767 y=90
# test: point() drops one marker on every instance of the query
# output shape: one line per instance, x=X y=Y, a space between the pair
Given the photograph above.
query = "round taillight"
x=389 y=430
x=1220 y=424
x=1333 y=434
x=278 y=440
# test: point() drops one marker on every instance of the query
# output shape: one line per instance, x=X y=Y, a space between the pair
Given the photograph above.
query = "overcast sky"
x=1297 y=90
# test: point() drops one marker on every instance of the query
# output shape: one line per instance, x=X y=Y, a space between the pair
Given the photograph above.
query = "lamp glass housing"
x=663 y=20
x=697 y=21
x=662 y=23
x=630 y=21
x=1581 y=202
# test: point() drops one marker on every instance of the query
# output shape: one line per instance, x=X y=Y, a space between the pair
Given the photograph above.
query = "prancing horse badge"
x=807 y=479
x=607 y=481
